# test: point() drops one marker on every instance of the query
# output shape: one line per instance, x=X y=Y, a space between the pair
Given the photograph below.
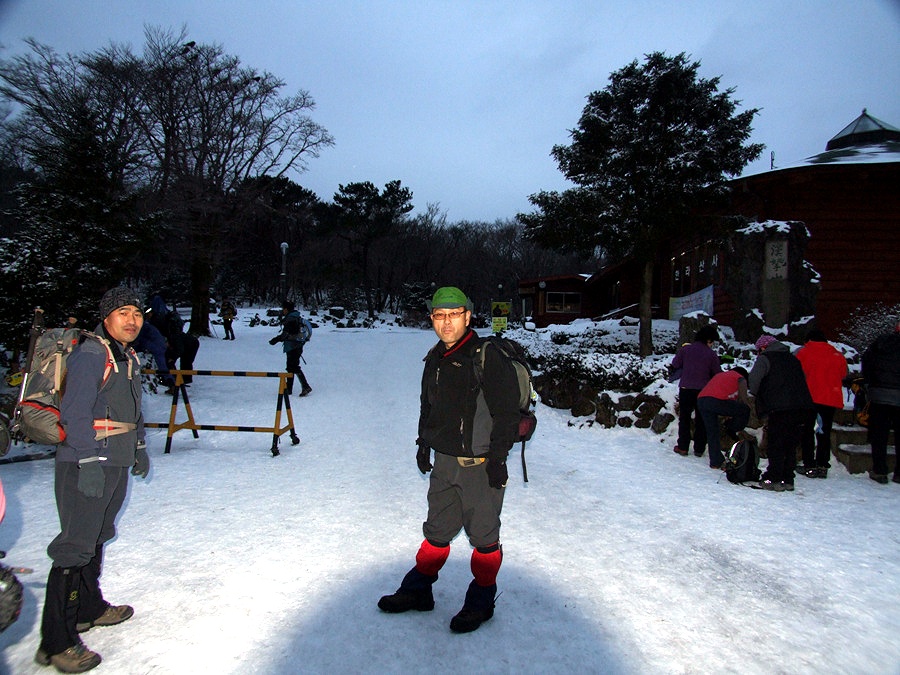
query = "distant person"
x=228 y=314
x=881 y=372
x=296 y=331
x=471 y=426
x=181 y=347
x=825 y=369
x=697 y=363
x=725 y=395
x=101 y=413
x=782 y=399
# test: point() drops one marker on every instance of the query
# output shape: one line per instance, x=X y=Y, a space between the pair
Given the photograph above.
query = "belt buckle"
x=470 y=461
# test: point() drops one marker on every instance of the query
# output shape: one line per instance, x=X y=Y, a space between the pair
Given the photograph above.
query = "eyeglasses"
x=443 y=316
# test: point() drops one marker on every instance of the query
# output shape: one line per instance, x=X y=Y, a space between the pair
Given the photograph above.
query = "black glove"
x=497 y=473
x=423 y=458
x=274 y=340
x=141 y=461
x=91 y=480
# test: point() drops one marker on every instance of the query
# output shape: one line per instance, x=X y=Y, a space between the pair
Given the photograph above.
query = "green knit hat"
x=449 y=297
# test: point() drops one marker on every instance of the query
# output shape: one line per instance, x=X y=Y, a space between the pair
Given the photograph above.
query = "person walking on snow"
x=295 y=332
x=101 y=414
x=228 y=314
x=471 y=425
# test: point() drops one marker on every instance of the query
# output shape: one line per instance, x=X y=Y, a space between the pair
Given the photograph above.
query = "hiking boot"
x=822 y=472
x=879 y=477
x=114 y=614
x=787 y=487
x=812 y=472
x=895 y=479
x=771 y=485
x=305 y=391
x=404 y=600
x=699 y=453
x=76 y=659
x=477 y=608
x=681 y=452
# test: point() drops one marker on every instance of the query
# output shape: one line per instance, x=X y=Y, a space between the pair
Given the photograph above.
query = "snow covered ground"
x=619 y=555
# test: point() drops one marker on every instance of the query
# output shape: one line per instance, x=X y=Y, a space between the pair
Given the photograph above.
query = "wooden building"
x=848 y=199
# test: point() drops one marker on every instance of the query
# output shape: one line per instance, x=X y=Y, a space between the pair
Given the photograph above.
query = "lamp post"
x=284 y=250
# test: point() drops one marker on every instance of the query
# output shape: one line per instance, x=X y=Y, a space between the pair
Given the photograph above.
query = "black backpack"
x=742 y=462
x=515 y=353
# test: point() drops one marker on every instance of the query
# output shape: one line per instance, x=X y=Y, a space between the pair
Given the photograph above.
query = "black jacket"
x=777 y=381
x=881 y=369
x=460 y=416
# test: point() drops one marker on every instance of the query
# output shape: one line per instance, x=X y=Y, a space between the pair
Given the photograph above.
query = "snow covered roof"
x=864 y=130
x=866 y=140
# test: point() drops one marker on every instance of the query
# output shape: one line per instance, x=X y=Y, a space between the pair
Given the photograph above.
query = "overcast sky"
x=463 y=100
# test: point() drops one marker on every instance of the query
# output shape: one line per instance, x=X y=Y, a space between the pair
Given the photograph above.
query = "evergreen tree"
x=650 y=149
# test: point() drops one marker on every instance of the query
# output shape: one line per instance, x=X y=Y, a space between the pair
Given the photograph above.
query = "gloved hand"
x=497 y=473
x=423 y=458
x=91 y=480
x=141 y=460
x=274 y=340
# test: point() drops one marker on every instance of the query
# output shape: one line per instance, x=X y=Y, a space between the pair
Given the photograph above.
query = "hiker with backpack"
x=725 y=395
x=100 y=412
x=471 y=425
x=782 y=398
x=296 y=331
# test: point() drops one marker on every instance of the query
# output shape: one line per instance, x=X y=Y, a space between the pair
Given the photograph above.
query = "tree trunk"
x=645 y=311
x=201 y=277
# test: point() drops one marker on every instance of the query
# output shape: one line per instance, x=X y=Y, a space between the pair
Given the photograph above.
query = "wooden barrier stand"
x=181 y=391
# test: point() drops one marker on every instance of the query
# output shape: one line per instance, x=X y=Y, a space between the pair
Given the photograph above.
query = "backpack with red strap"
x=36 y=416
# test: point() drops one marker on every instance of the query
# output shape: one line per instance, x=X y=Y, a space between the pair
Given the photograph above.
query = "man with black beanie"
x=104 y=439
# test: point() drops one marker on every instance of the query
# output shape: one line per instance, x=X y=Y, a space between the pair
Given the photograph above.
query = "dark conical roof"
x=864 y=130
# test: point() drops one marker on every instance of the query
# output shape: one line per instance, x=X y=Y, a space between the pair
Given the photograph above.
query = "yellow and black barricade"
x=277 y=430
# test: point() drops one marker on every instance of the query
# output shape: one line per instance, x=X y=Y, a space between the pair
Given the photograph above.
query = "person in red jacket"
x=825 y=368
x=725 y=394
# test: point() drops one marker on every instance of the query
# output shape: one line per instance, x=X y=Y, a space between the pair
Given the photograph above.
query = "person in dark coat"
x=101 y=414
x=228 y=314
x=181 y=347
x=777 y=382
x=697 y=363
x=295 y=333
x=150 y=340
x=881 y=373
x=471 y=425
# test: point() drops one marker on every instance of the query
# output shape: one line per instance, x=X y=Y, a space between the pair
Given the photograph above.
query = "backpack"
x=297 y=328
x=860 y=401
x=36 y=414
x=515 y=354
x=742 y=462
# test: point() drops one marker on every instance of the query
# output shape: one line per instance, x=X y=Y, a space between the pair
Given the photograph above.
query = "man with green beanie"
x=100 y=412
x=471 y=423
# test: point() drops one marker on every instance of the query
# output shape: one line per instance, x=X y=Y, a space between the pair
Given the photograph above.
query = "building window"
x=570 y=303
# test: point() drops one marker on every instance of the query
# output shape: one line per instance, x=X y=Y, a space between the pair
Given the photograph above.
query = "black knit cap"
x=120 y=296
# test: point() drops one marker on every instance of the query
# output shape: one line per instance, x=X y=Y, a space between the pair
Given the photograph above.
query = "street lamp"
x=284 y=250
